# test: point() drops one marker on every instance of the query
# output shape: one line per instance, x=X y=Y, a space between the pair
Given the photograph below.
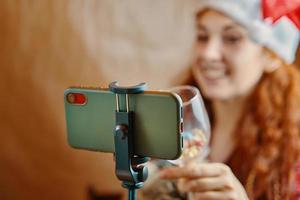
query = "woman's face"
x=227 y=63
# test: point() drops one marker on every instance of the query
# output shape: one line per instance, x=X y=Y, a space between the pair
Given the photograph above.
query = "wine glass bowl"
x=196 y=126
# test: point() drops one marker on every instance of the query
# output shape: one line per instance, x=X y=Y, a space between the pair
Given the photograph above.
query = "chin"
x=219 y=95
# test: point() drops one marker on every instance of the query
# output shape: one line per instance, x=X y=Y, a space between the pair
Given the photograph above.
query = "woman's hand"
x=207 y=181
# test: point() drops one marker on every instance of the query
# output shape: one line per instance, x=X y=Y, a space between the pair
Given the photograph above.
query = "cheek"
x=246 y=71
x=198 y=52
x=247 y=78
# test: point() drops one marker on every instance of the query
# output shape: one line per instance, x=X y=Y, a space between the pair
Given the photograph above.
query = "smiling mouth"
x=214 y=73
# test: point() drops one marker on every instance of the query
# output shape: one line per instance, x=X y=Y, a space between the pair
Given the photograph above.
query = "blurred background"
x=47 y=46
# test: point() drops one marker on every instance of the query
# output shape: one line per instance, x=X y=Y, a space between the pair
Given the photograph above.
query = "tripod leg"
x=131 y=194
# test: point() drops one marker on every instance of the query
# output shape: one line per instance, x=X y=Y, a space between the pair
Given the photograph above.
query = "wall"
x=47 y=46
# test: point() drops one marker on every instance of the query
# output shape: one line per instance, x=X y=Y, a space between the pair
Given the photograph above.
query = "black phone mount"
x=129 y=167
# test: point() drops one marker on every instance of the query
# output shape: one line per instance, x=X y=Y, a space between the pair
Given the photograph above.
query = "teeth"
x=214 y=73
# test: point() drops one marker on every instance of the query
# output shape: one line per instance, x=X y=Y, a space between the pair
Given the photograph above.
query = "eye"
x=232 y=39
x=202 y=37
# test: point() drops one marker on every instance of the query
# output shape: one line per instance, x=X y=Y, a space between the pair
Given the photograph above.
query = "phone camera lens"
x=71 y=98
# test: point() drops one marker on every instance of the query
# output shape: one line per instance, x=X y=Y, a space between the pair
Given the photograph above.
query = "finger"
x=181 y=185
x=194 y=171
x=213 y=195
x=207 y=184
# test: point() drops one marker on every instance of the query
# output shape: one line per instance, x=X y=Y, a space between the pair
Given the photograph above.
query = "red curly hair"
x=267 y=136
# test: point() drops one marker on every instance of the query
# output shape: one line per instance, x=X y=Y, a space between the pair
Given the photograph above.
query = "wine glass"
x=196 y=126
x=196 y=136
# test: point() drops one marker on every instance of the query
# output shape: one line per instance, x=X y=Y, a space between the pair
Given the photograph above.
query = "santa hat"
x=282 y=37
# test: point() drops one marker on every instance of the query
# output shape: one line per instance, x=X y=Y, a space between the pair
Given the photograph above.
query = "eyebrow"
x=231 y=27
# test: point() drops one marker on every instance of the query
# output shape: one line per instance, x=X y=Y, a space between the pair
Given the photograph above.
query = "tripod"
x=129 y=167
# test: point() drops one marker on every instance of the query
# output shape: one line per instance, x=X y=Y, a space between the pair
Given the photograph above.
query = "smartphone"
x=90 y=120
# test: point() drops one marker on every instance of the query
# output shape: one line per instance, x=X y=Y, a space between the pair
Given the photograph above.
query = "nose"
x=212 y=51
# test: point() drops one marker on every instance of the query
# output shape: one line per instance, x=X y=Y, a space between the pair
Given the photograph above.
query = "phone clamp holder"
x=130 y=168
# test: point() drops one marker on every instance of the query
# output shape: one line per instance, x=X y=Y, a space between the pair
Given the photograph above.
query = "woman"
x=242 y=67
